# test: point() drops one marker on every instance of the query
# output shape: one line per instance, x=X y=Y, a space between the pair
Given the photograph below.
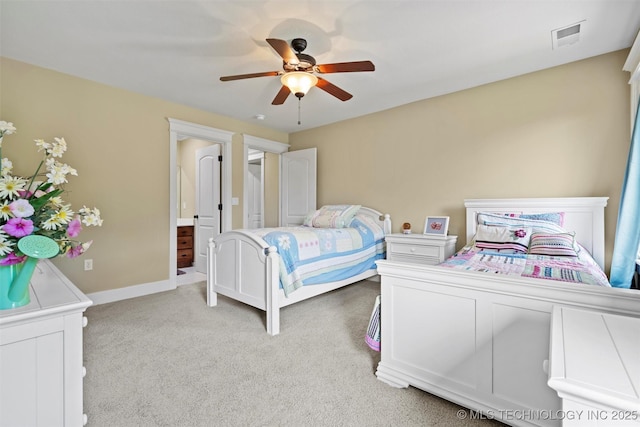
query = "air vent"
x=567 y=36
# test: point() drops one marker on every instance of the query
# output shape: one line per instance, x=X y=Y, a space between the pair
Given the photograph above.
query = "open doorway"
x=198 y=196
x=269 y=151
x=255 y=188
x=180 y=130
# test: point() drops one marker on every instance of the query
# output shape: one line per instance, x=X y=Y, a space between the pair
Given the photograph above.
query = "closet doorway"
x=268 y=200
x=255 y=188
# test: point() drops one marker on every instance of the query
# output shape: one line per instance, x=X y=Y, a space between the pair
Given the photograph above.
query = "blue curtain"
x=625 y=249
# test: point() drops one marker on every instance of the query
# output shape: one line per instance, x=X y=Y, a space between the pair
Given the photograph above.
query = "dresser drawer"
x=185 y=231
x=185 y=242
x=185 y=246
x=185 y=258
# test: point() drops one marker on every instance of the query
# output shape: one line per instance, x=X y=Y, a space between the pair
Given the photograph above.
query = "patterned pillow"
x=554 y=217
x=537 y=225
x=555 y=244
x=501 y=238
x=332 y=216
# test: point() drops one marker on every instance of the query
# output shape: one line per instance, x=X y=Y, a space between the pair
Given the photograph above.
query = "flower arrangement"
x=33 y=205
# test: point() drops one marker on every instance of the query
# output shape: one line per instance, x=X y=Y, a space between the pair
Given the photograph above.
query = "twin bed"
x=481 y=338
x=275 y=267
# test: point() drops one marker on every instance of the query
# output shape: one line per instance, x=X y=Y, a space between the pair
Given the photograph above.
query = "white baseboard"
x=134 y=291
x=113 y=295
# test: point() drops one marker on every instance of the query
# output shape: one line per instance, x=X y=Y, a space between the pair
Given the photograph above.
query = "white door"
x=255 y=197
x=207 y=223
x=297 y=186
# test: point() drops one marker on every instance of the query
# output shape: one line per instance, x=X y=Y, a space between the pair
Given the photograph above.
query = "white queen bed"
x=482 y=340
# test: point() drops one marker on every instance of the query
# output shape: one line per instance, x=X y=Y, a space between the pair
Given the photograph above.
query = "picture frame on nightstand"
x=436 y=225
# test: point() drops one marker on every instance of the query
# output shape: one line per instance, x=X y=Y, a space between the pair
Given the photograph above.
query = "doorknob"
x=195 y=217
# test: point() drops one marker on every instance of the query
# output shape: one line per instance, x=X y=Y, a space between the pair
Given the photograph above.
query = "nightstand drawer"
x=419 y=248
x=425 y=251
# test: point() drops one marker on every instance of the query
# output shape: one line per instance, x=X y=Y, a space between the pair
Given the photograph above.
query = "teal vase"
x=14 y=287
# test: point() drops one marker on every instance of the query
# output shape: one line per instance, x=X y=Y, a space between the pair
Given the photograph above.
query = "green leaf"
x=42 y=200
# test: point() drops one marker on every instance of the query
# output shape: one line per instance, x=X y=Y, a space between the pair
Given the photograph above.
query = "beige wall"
x=555 y=133
x=119 y=143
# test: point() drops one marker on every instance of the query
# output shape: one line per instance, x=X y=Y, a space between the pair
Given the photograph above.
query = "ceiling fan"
x=298 y=74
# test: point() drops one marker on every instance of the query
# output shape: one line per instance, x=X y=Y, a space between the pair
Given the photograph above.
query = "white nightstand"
x=420 y=248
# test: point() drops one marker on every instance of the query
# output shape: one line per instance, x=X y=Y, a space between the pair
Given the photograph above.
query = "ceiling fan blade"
x=334 y=90
x=249 y=76
x=283 y=49
x=346 y=67
x=281 y=96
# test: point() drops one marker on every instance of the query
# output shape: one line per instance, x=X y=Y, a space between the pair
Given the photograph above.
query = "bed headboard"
x=582 y=215
x=376 y=215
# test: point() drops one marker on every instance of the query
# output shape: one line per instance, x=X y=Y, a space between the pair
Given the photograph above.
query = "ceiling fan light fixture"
x=299 y=82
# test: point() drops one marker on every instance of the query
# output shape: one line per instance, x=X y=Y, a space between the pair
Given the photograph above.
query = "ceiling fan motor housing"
x=299 y=45
x=305 y=63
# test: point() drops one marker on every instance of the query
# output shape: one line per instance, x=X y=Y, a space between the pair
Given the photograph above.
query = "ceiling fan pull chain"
x=299 y=110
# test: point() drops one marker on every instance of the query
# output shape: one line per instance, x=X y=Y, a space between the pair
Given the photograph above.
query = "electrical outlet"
x=88 y=264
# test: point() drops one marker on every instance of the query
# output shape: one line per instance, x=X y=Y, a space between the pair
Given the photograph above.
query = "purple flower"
x=74 y=228
x=75 y=251
x=18 y=227
x=520 y=233
x=24 y=194
x=12 y=259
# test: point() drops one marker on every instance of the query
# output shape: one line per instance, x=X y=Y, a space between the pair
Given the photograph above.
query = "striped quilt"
x=581 y=269
x=310 y=256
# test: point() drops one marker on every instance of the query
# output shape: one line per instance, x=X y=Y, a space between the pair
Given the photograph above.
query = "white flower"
x=58 y=172
x=5 y=245
x=59 y=218
x=7 y=167
x=90 y=216
x=42 y=144
x=10 y=186
x=284 y=242
x=58 y=148
x=5 y=211
x=56 y=201
x=6 y=128
x=21 y=208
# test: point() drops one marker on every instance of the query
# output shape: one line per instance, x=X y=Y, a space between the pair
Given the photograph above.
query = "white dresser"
x=595 y=367
x=420 y=248
x=41 y=364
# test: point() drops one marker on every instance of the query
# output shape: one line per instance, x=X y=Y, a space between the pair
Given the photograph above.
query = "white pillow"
x=500 y=238
x=332 y=216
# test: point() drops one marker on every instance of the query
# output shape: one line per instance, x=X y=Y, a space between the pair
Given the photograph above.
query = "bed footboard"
x=479 y=340
x=243 y=267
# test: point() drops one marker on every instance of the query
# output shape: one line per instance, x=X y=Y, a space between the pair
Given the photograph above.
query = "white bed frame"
x=242 y=266
x=482 y=340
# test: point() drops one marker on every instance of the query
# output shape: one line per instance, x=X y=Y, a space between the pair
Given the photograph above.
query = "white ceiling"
x=177 y=50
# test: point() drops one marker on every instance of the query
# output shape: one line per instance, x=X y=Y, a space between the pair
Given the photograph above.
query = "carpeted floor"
x=169 y=360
